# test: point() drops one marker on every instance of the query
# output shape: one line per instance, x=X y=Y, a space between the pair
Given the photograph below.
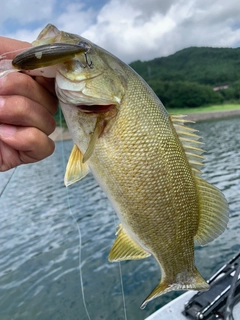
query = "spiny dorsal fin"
x=213 y=210
x=190 y=142
x=76 y=169
x=124 y=248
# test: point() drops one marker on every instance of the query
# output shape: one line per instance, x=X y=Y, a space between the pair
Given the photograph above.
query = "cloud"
x=76 y=18
x=134 y=29
x=25 y=34
x=26 y=11
x=149 y=7
x=130 y=29
x=124 y=30
x=207 y=24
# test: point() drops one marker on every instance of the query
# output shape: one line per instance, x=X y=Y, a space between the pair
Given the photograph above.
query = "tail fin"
x=184 y=281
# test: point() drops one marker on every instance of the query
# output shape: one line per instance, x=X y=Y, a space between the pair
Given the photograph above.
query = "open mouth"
x=96 y=108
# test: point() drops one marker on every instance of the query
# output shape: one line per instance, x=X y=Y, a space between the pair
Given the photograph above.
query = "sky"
x=130 y=29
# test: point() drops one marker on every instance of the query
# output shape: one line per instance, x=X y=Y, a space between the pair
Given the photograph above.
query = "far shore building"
x=221 y=87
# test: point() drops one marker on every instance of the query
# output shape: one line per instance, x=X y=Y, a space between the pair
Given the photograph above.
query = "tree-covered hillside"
x=187 y=78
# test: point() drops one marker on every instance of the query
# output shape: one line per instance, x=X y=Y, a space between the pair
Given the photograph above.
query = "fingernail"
x=6 y=131
x=2 y=102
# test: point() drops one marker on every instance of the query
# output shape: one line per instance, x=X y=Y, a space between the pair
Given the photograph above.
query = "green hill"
x=204 y=65
x=187 y=78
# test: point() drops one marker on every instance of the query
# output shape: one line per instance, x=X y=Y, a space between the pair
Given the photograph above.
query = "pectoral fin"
x=76 y=169
x=124 y=248
x=95 y=135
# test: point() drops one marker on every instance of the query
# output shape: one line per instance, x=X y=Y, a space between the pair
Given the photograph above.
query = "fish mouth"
x=85 y=104
x=95 y=109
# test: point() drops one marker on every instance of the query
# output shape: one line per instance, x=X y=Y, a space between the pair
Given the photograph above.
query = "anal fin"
x=124 y=248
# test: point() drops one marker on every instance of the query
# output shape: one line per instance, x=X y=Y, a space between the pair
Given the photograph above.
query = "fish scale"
x=147 y=162
x=152 y=186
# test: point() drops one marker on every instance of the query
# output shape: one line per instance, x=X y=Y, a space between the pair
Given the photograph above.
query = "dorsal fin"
x=190 y=142
x=213 y=208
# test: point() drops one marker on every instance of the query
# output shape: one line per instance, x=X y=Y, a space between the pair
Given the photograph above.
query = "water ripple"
x=39 y=239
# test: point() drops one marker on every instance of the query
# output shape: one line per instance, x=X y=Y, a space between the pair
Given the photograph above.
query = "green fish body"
x=147 y=162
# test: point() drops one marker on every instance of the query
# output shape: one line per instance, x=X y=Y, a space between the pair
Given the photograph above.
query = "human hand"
x=27 y=106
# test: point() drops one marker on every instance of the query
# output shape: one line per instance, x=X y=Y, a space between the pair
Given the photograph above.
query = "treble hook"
x=86 y=53
x=90 y=65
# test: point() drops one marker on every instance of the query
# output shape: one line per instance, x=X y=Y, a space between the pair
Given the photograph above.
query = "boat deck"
x=173 y=310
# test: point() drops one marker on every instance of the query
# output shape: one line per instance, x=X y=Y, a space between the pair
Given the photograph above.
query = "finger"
x=9 y=157
x=24 y=85
x=21 y=111
x=30 y=144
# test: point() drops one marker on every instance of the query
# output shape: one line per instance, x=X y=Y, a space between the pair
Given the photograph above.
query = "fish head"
x=93 y=79
x=90 y=82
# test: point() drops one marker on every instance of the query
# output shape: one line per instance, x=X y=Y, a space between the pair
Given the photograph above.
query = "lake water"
x=48 y=233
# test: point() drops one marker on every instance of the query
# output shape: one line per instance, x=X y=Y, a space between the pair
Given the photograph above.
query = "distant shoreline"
x=201 y=116
x=63 y=134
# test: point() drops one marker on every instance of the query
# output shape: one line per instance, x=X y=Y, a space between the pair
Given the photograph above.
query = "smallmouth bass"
x=147 y=162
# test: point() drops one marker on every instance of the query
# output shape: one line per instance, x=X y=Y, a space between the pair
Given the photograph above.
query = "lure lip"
x=48 y=54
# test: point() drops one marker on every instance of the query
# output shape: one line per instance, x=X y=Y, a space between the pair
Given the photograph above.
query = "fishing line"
x=77 y=226
x=123 y=295
x=80 y=241
x=5 y=54
x=121 y=280
x=7 y=183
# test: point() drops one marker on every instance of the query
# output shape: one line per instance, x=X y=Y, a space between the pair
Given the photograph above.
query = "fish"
x=146 y=161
